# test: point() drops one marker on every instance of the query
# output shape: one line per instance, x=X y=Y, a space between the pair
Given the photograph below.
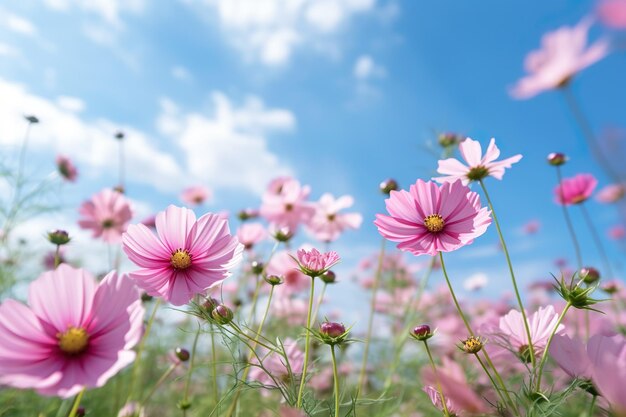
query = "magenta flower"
x=285 y=203
x=612 y=13
x=107 y=214
x=563 y=53
x=541 y=324
x=314 y=263
x=327 y=223
x=617 y=232
x=195 y=195
x=249 y=234
x=187 y=257
x=76 y=333
x=429 y=218
x=575 y=190
x=66 y=168
x=478 y=166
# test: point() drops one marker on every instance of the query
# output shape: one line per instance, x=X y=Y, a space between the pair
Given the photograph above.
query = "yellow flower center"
x=434 y=223
x=74 y=340
x=181 y=259
x=472 y=344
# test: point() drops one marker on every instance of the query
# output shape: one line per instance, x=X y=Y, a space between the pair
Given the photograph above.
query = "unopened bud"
x=589 y=274
x=274 y=280
x=257 y=267
x=222 y=314
x=58 y=237
x=557 y=159
x=328 y=277
x=182 y=354
x=422 y=332
x=389 y=185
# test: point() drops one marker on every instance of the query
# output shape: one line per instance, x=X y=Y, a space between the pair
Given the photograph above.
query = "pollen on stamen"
x=181 y=259
x=74 y=340
x=434 y=223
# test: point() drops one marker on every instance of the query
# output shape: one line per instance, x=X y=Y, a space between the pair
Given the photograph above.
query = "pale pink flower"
x=314 y=263
x=285 y=203
x=459 y=396
x=575 y=190
x=612 y=13
x=429 y=218
x=132 y=409
x=617 y=232
x=478 y=166
x=249 y=234
x=66 y=168
x=475 y=282
x=564 y=52
x=293 y=310
x=187 y=257
x=107 y=214
x=609 y=369
x=76 y=333
x=541 y=323
x=327 y=223
x=196 y=195
x=611 y=193
x=531 y=227
x=275 y=369
x=281 y=264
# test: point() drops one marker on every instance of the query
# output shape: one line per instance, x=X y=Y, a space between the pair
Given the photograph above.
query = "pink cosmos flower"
x=541 y=325
x=107 y=214
x=285 y=203
x=187 y=257
x=314 y=263
x=76 y=333
x=609 y=370
x=612 y=13
x=575 y=190
x=327 y=223
x=532 y=227
x=249 y=234
x=563 y=53
x=478 y=166
x=66 y=168
x=611 y=193
x=278 y=370
x=196 y=195
x=429 y=218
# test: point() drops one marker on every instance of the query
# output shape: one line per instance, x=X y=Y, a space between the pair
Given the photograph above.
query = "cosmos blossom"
x=564 y=52
x=107 y=215
x=430 y=218
x=75 y=333
x=186 y=257
x=314 y=263
x=285 y=203
x=575 y=190
x=612 y=13
x=196 y=195
x=611 y=193
x=294 y=281
x=249 y=234
x=478 y=166
x=66 y=168
x=541 y=324
x=327 y=223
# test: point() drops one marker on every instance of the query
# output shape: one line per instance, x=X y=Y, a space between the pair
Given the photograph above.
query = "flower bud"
x=247 y=214
x=222 y=314
x=328 y=277
x=557 y=159
x=274 y=280
x=610 y=287
x=145 y=297
x=31 y=119
x=422 y=332
x=80 y=412
x=448 y=139
x=182 y=354
x=58 y=237
x=119 y=135
x=209 y=304
x=472 y=344
x=332 y=333
x=119 y=188
x=282 y=234
x=389 y=185
x=257 y=267
x=589 y=274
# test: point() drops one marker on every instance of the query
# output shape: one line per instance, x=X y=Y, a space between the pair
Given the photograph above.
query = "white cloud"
x=269 y=30
x=91 y=143
x=228 y=148
x=72 y=104
x=7 y=50
x=16 y=23
x=365 y=68
x=109 y=11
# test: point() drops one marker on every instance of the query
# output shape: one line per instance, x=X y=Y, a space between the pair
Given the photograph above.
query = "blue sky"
x=341 y=94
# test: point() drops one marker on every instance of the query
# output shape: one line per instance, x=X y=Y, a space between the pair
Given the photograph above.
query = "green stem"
x=74 y=409
x=255 y=297
x=432 y=364
x=370 y=322
x=319 y=302
x=214 y=365
x=140 y=349
x=588 y=134
x=568 y=220
x=471 y=332
x=185 y=403
x=306 y=347
x=57 y=257
x=546 y=350
x=597 y=240
x=592 y=406
x=166 y=374
x=336 y=379
x=508 y=261
x=506 y=393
